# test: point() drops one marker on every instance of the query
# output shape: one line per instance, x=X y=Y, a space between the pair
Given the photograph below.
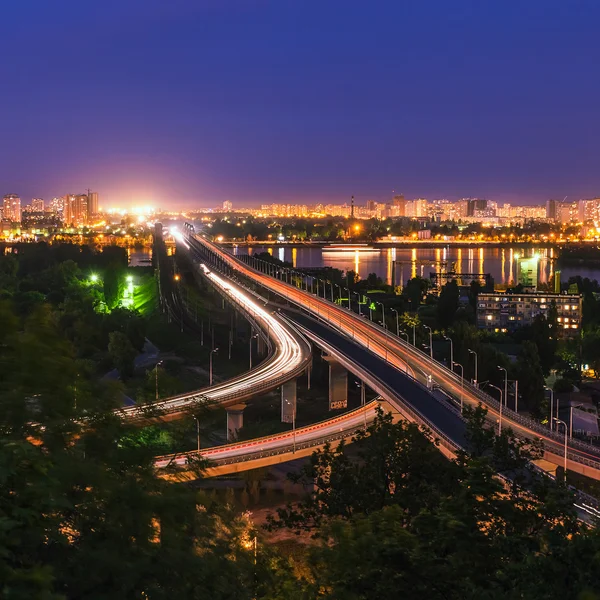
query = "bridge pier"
x=235 y=420
x=338 y=384
x=288 y=401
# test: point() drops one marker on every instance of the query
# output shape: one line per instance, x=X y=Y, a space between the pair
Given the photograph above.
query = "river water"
x=500 y=263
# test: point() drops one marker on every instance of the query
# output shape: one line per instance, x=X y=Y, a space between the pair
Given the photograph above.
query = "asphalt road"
x=412 y=393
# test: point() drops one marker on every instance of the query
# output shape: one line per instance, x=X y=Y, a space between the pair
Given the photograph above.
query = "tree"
x=113 y=286
x=531 y=378
x=122 y=353
x=447 y=304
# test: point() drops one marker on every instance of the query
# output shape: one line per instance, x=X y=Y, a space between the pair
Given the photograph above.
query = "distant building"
x=57 y=206
x=528 y=272
x=227 y=206
x=506 y=312
x=474 y=205
x=75 y=210
x=551 y=209
x=400 y=203
x=11 y=208
x=37 y=205
x=92 y=205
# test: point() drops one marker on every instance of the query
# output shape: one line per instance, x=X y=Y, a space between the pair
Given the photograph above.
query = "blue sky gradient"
x=190 y=102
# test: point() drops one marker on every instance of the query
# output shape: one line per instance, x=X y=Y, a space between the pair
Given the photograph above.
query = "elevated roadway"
x=290 y=357
x=582 y=458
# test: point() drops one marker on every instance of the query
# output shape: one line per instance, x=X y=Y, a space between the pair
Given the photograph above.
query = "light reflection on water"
x=501 y=263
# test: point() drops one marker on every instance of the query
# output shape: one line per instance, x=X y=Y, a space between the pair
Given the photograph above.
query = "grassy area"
x=145 y=298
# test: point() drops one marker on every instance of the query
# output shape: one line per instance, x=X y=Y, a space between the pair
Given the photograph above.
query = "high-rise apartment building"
x=75 y=209
x=92 y=204
x=227 y=206
x=400 y=203
x=11 y=208
x=57 y=207
x=551 y=206
x=37 y=205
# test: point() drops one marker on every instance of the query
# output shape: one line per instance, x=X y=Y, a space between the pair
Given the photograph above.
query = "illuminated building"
x=505 y=312
x=227 y=206
x=57 y=207
x=92 y=206
x=37 y=205
x=11 y=208
x=528 y=272
x=75 y=210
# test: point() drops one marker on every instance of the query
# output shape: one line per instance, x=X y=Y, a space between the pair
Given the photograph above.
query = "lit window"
x=543 y=299
x=511 y=318
x=566 y=327
x=566 y=319
x=573 y=326
x=497 y=299
x=543 y=306
x=559 y=319
x=489 y=317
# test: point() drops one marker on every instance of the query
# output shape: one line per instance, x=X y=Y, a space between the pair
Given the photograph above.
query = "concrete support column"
x=288 y=401
x=338 y=384
x=235 y=420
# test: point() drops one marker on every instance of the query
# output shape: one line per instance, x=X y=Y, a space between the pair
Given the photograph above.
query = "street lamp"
x=251 y=338
x=156 y=377
x=462 y=384
x=398 y=323
x=566 y=440
x=403 y=333
x=475 y=353
x=210 y=371
x=430 y=340
x=505 y=384
x=571 y=419
x=451 y=349
x=499 y=422
x=382 y=313
x=93 y=278
x=551 y=405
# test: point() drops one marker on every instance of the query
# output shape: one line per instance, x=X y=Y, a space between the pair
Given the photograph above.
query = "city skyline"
x=192 y=105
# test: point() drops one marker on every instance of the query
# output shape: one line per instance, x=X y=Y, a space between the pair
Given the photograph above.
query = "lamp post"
x=382 y=313
x=430 y=340
x=505 y=384
x=451 y=351
x=414 y=334
x=551 y=406
x=475 y=353
x=571 y=419
x=397 y=323
x=566 y=441
x=499 y=422
x=252 y=337
x=462 y=384
x=210 y=371
x=156 y=377
x=370 y=309
x=403 y=333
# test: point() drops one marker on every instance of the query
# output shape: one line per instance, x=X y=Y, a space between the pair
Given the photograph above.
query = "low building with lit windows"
x=505 y=312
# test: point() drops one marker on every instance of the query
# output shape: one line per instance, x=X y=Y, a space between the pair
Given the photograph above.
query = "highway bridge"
x=579 y=456
x=291 y=357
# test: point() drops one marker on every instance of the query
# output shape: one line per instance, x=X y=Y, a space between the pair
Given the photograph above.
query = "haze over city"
x=186 y=104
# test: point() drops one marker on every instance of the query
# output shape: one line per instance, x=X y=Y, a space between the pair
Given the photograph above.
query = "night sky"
x=190 y=102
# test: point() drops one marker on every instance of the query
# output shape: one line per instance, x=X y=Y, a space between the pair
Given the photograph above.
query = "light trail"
x=582 y=457
x=347 y=424
x=291 y=356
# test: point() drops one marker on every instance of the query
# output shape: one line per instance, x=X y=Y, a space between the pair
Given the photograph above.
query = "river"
x=500 y=263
